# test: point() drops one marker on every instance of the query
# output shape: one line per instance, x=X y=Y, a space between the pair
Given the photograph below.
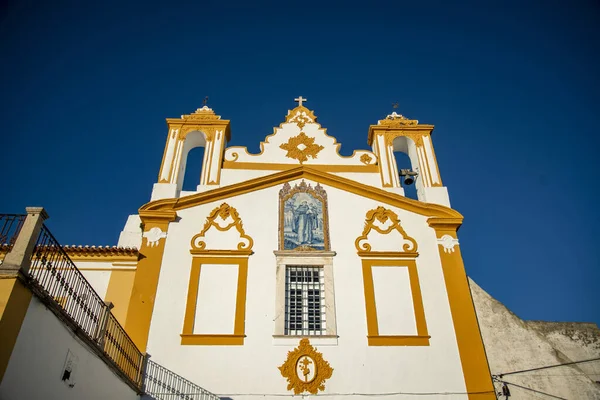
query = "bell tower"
x=398 y=133
x=202 y=128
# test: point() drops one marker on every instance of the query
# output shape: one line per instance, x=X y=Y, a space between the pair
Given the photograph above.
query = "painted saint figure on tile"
x=303 y=223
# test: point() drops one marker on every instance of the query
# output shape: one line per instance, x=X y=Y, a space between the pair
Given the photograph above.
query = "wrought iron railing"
x=121 y=349
x=55 y=277
x=10 y=226
x=163 y=384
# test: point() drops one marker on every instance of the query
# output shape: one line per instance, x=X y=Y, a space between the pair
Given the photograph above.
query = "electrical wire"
x=357 y=394
x=546 y=367
x=531 y=390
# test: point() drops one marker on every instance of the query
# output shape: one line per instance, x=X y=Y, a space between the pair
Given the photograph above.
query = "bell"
x=408 y=180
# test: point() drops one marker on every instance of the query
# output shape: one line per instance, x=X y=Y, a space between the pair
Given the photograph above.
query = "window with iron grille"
x=304 y=300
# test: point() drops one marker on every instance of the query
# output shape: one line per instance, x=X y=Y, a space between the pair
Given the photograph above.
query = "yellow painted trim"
x=398 y=340
x=103 y=258
x=162 y=163
x=14 y=303
x=145 y=283
x=437 y=167
x=188 y=337
x=231 y=253
x=166 y=206
x=468 y=336
x=221 y=157
x=212 y=340
x=374 y=339
x=387 y=254
x=371 y=168
x=120 y=285
x=404 y=130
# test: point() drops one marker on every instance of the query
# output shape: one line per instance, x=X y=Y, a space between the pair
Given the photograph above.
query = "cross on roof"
x=300 y=100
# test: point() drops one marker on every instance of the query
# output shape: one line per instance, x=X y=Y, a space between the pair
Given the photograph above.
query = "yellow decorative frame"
x=201 y=255
x=382 y=215
x=224 y=211
x=322 y=373
x=188 y=337
x=373 y=336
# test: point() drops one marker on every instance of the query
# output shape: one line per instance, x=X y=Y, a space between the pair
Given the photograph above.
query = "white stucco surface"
x=97 y=274
x=38 y=359
x=131 y=235
x=252 y=368
x=215 y=306
x=393 y=301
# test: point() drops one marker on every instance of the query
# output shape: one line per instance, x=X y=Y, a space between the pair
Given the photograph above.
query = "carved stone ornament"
x=392 y=135
x=301 y=147
x=217 y=219
x=154 y=235
x=448 y=243
x=395 y=119
x=305 y=369
x=384 y=221
x=301 y=116
x=366 y=159
x=201 y=114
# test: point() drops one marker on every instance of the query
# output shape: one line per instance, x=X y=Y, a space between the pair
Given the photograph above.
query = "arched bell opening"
x=190 y=170
x=407 y=169
x=193 y=169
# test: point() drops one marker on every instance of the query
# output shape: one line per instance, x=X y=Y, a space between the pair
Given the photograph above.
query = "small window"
x=304 y=300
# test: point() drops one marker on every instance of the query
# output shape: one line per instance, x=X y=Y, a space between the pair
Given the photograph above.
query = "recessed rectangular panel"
x=217 y=293
x=393 y=301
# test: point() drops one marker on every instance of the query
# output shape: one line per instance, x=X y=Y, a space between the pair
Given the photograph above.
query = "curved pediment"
x=223 y=230
x=299 y=140
x=383 y=233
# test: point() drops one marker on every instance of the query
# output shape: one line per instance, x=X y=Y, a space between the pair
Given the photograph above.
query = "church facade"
x=294 y=272
x=301 y=271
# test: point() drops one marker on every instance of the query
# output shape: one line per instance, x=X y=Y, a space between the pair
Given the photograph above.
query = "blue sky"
x=512 y=88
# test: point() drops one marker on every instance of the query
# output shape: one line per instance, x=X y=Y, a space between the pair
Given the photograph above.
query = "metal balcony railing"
x=163 y=384
x=57 y=281
x=10 y=226
x=55 y=277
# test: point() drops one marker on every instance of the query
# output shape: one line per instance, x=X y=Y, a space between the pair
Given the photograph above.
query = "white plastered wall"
x=232 y=176
x=358 y=368
x=38 y=358
x=97 y=274
x=393 y=297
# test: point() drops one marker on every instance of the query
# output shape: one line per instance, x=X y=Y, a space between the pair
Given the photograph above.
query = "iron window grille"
x=304 y=301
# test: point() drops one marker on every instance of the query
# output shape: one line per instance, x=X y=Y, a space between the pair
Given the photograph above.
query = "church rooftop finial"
x=299 y=99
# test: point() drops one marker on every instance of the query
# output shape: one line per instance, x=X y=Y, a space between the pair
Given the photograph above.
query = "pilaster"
x=19 y=256
x=145 y=283
x=478 y=380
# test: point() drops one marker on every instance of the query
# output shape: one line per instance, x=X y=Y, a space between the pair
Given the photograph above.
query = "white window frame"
x=322 y=259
